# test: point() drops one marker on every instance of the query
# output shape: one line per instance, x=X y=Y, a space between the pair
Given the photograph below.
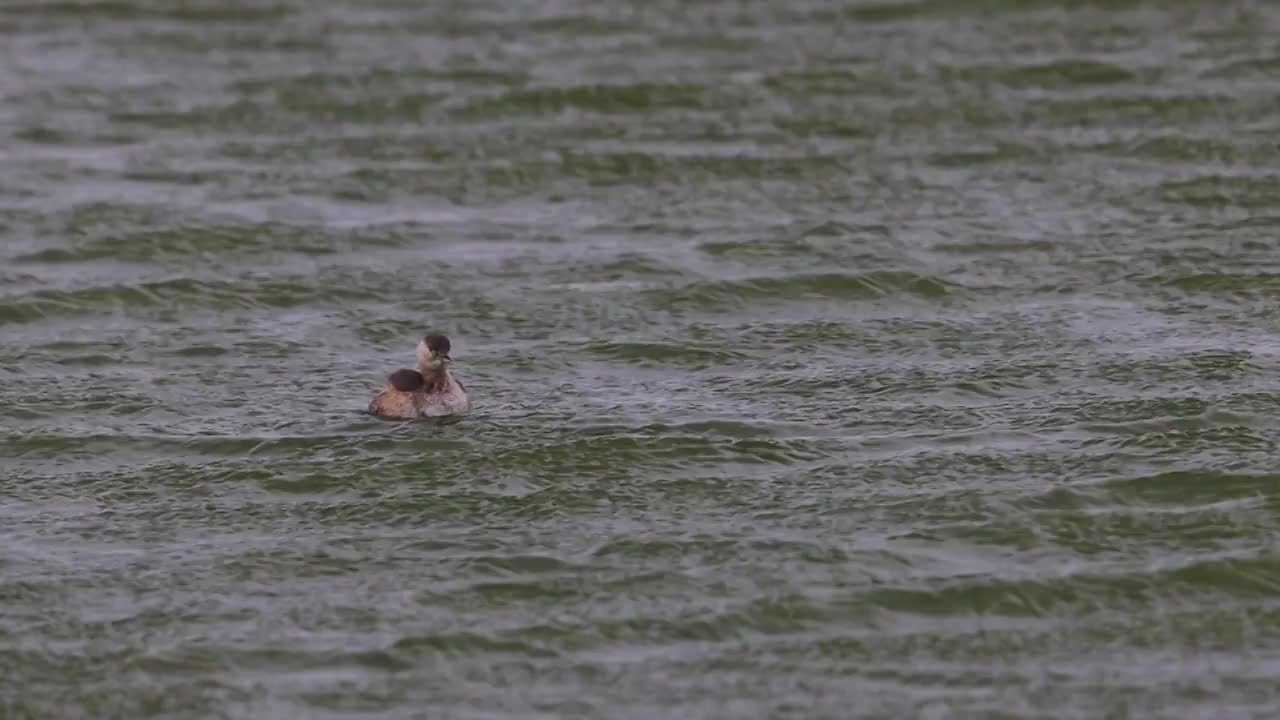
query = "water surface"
x=899 y=359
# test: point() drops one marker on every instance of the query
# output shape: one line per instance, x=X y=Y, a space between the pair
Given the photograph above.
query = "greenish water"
x=884 y=360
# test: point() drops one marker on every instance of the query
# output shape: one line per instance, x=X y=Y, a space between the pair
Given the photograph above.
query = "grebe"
x=429 y=391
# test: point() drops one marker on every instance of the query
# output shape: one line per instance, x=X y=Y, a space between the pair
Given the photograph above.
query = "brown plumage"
x=401 y=397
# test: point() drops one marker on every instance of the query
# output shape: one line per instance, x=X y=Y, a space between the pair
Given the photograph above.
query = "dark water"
x=899 y=359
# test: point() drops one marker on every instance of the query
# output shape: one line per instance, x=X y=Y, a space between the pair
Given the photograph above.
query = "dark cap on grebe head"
x=437 y=344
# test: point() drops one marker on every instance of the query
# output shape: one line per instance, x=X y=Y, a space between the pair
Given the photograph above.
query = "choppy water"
x=900 y=359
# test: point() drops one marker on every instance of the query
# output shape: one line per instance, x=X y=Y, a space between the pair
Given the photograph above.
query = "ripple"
x=193 y=243
x=825 y=286
x=661 y=354
x=642 y=166
x=878 y=12
x=1231 y=282
x=615 y=98
x=166 y=296
x=316 y=88
x=1189 y=109
x=1244 y=578
x=999 y=153
x=126 y=10
x=464 y=644
x=1067 y=73
x=1222 y=192
x=1181 y=488
x=607 y=453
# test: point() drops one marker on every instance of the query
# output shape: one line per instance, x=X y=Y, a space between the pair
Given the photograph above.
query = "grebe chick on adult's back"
x=429 y=391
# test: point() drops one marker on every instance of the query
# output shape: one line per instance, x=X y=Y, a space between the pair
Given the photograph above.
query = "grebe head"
x=433 y=353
